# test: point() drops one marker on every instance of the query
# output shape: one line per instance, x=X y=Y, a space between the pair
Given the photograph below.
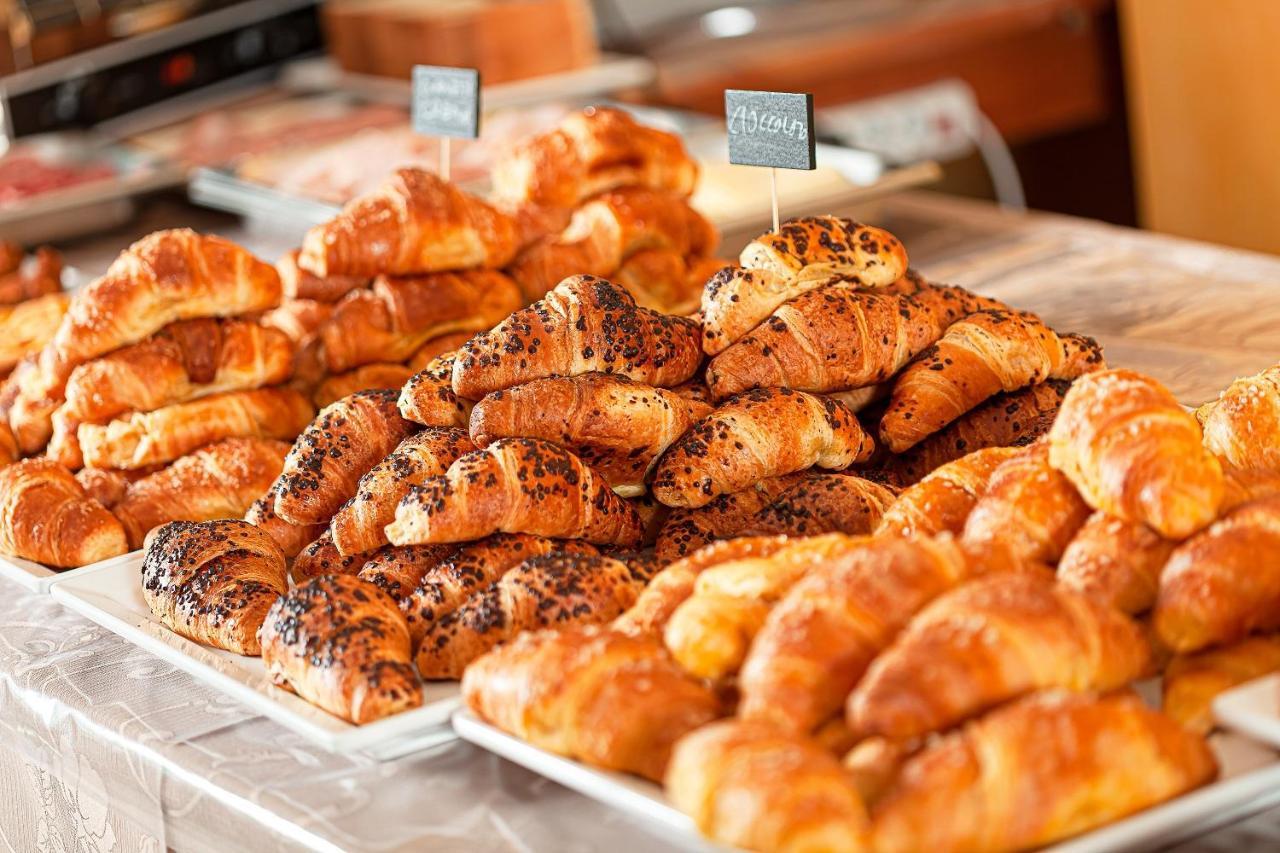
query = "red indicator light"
x=178 y=70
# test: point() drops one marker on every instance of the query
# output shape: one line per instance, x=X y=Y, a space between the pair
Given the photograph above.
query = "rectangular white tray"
x=38 y=577
x=1250 y=783
x=111 y=595
x=1252 y=708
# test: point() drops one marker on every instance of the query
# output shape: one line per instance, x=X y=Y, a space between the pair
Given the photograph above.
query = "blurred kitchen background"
x=1155 y=113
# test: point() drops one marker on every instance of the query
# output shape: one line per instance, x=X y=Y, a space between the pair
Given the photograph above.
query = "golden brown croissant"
x=341 y=644
x=360 y=524
x=604 y=698
x=300 y=319
x=399 y=314
x=8 y=444
x=1134 y=453
x=614 y=424
x=1040 y=770
x=142 y=439
x=379 y=376
x=416 y=222
x=427 y=398
x=1192 y=682
x=42 y=277
x=46 y=516
x=836 y=338
x=28 y=326
x=184 y=361
x=992 y=640
x=469 y=570
x=218 y=481
x=749 y=785
x=322 y=558
x=607 y=230
x=666 y=281
x=584 y=325
x=803 y=255
x=1243 y=425
x=64 y=444
x=1003 y=421
x=559 y=589
x=1028 y=507
x=398 y=571
x=824 y=503
x=298 y=283
x=291 y=538
x=688 y=529
x=428 y=352
x=762 y=433
x=674 y=584
x=980 y=356
x=1116 y=562
x=591 y=152
x=213 y=581
x=31 y=414
x=515 y=485
x=1239 y=487
x=1217 y=587
x=105 y=485
x=164 y=277
x=942 y=501
x=345 y=440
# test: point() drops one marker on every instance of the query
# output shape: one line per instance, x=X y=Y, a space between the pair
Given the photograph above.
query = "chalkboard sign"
x=770 y=129
x=446 y=101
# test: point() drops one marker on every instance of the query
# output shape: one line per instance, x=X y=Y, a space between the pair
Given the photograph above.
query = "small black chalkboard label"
x=770 y=129
x=446 y=101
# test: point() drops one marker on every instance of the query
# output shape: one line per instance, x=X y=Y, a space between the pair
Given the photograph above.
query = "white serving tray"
x=1250 y=783
x=1252 y=708
x=38 y=577
x=111 y=595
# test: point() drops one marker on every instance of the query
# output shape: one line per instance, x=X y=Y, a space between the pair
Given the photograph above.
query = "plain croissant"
x=942 y=501
x=46 y=516
x=1243 y=426
x=1117 y=562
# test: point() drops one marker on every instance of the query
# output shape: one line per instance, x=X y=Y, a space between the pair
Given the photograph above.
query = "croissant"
x=322 y=558
x=469 y=570
x=64 y=444
x=298 y=283
x=551 y=590
x=614 y=424
x=28 y=326
x=427 y=397
x=1028 y=507
x=359 y=525
x=751 y=786
x=992 y=640
x=218 y=481
x=591 y=152
x=1003 y=421
x=980 y=356
x=8 y=444
x=801 y=256
x=652 y=516
x=369 y=377
x=399 y=314
x=836 y=338
x=824 y=503
x=1029 y=774
x=213 y=581
x=1134 y=453
x=438 y=346
x=345 y=440
x=709 y=633
x=300 y=319
x=1242 y=426
x=584 y=325
x=672 y=586
x=164 y=277
x=687 y=529
x=1116 y=562
x=41 y=278
x=607 y=230
x=816 y=643
x=291 y=538
x=1215 y=589
x=942 y=501
x=515 y=485
x=782 y=431
x=31 y=415
x=341 y=644
x=609 y=700
x=666 y=281
x=184 y=361
x=1239 y=487
x=416 y=222
x=142 y=439
x=104 y=485
x=398 y=571
x=1192 y=682
x=46 y=516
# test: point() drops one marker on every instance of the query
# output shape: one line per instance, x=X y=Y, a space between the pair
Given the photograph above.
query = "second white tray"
x=110 y=594
x=38 y=577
